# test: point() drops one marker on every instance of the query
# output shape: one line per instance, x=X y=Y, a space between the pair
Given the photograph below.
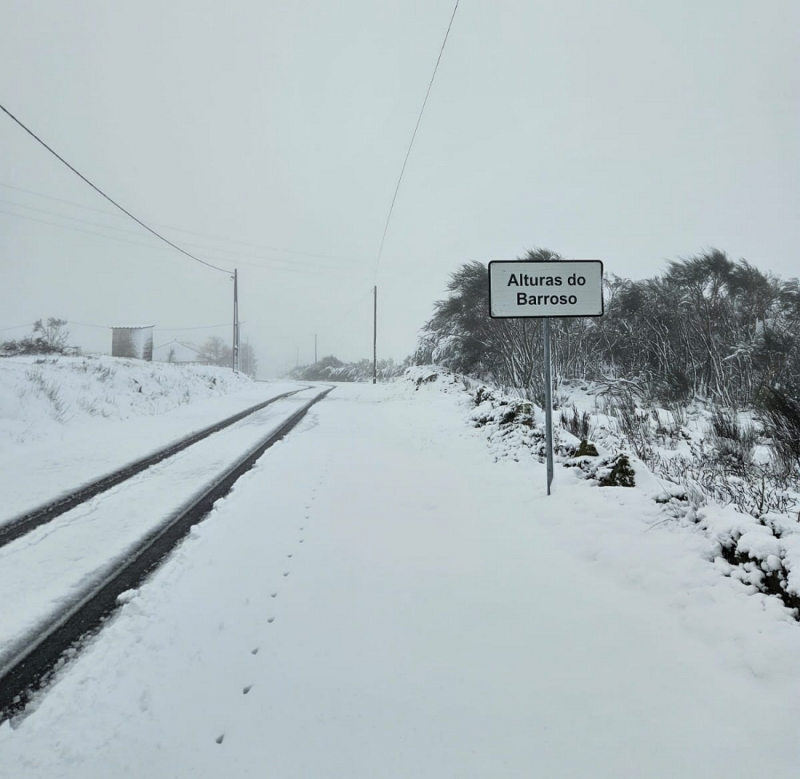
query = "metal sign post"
x=548 y=403
x=536 y=289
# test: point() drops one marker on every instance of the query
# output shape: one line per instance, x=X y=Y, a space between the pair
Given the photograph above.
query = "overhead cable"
x=413 y=136
x=290 y=269
x=177 y=229
x=110 y=200
x=16 y=327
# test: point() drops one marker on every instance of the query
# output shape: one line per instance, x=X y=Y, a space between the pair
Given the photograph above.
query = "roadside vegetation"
x=694 y=375
x=331 y=368
x=48 y=336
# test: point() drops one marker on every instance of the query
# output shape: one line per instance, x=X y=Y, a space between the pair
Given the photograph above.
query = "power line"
x=71 y=218
x=85 y=324
x=16 y=327
x=345 y=313
x=168 y=329
x=157 y=247
x=201 y=327
x=178 y=229
x=234 y=258
x=79 y=230
x=413 y=136
x=59 y=199
x=76 y=229
x=110 y=200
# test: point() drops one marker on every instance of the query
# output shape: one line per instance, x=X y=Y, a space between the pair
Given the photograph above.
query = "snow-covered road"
x=377 y=599
x=62 y=562
x=40 y=470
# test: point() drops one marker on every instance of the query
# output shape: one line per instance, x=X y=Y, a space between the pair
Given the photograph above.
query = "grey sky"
x=632 y=132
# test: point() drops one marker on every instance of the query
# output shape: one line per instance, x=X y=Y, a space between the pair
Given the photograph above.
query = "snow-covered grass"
x=41 y=394
x=702 y=467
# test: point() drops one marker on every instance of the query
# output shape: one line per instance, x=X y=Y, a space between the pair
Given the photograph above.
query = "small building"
x=135 y=342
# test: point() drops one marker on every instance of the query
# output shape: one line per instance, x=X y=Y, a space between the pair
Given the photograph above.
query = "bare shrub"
x=671 y=387
x=48 y=337
x=754 y=488
x=49 y=390
x=575 y=422
x=665 y=428
x=733 y=441
x=780 y=415
x=678 y=412
x=91 y=407
x=634 y=424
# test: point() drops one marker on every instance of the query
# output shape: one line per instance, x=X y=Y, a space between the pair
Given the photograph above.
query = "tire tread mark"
x=41 y=515
x=35 y=669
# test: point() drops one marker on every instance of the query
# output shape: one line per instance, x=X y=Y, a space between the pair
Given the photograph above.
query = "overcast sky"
x=269 y=136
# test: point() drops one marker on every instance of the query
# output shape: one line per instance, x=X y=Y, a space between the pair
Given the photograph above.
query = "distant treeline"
x=331 y=368
x=707 y=327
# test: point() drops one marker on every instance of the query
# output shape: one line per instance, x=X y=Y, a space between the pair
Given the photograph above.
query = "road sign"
x=543 y=289
x=561 y=288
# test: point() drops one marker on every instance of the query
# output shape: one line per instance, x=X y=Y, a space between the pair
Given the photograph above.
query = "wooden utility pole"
x=375 y=334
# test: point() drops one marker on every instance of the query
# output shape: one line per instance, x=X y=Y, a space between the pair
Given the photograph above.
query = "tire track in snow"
x=24 y=523
x=33 y=667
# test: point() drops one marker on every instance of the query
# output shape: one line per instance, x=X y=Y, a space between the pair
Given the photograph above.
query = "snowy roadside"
x=760 y=553
x=65 y=420
x=378 y=599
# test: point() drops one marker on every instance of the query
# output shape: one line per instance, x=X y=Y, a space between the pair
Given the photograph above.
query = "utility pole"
x=235 y=349
x=375 y=334
x=315 y=348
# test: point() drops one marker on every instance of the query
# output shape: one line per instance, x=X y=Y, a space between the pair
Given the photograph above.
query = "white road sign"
x=540 y=289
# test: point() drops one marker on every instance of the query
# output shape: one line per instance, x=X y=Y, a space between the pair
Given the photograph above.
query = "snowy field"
x=384 y=595
x=65 y=420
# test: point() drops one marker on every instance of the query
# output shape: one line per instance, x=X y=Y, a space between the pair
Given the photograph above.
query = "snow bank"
x=39 y=396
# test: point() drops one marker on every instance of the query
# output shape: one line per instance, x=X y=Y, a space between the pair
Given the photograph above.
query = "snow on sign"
x=544 y=289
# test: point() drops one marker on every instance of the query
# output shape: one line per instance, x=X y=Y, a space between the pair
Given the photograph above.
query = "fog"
x=269 y=137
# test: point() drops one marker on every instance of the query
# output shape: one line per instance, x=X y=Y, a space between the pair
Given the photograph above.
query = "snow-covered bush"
x=331 y=368
x=705 y=469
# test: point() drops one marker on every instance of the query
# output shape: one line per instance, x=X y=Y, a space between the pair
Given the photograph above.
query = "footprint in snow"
x=254 y=651
x=220 y=738
x=247 y=689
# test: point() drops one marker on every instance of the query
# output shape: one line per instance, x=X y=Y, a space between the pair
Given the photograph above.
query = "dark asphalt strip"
x=37 y=666
x=41 y=515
